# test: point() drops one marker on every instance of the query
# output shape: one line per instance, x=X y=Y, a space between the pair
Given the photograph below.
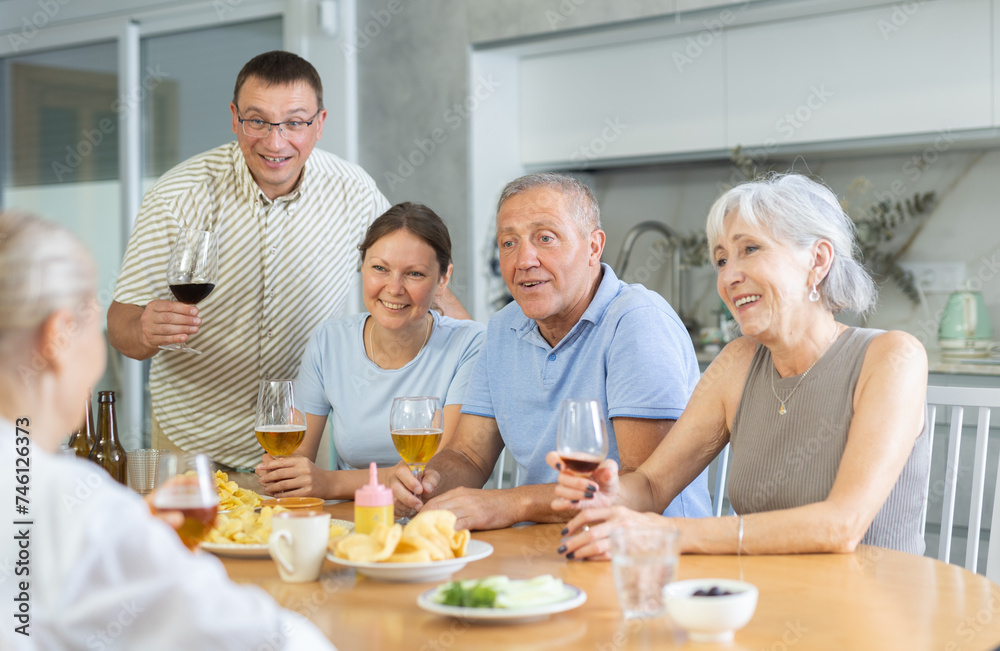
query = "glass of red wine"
x=191 y=271
x=186 y=483
x=582 y=437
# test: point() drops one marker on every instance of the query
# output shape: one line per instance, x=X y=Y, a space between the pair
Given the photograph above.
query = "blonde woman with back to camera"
x=827 y=422
x=97 y=570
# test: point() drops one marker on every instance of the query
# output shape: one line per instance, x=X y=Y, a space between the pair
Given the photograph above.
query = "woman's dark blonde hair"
x=417 y=219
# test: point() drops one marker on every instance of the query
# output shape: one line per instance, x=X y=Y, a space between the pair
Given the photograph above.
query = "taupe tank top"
x=781 y=462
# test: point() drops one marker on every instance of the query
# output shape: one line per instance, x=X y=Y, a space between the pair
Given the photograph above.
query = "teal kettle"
x=965 y=324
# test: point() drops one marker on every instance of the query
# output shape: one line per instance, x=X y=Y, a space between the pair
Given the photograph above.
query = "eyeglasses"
x=257 y=128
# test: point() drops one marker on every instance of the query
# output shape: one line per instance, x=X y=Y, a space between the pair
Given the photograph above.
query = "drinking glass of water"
x=644 y=560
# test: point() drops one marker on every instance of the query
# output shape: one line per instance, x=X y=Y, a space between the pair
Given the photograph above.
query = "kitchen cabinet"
x=901 y=69
x=625 y=100
x=845 y=73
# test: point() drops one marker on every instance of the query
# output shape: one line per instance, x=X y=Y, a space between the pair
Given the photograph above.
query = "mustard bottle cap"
x=373 y=493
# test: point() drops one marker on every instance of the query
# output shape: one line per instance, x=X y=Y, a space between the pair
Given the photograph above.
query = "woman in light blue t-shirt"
x=355 y=365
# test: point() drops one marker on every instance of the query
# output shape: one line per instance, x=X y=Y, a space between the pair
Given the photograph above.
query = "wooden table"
x=872 y=599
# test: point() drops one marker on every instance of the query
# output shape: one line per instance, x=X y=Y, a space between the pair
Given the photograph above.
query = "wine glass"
x=186 y=483
x=191 y=271
x=416 y=425
x=582 y=437
x=279 y=427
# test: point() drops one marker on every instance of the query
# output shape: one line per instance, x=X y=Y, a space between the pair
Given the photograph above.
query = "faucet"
x=676 y=300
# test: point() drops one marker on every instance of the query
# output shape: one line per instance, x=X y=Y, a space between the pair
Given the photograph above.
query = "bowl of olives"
x=711 y=610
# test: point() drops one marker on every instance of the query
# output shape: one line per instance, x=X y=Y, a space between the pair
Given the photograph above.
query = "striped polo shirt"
x=284 y=266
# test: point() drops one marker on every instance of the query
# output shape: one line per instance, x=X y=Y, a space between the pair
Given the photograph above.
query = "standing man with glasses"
x=288 y=219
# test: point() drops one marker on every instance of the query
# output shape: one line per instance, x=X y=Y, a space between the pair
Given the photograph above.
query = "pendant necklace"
x=774 y=371
x=371 y=342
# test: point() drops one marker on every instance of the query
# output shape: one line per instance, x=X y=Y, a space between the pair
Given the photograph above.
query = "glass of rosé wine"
x=582 y=436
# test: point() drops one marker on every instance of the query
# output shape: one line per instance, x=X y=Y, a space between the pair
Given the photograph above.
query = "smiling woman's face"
x=761 y=279
x=400 y=276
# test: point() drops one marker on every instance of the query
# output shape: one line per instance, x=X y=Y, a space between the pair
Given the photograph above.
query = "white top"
x=284 y=267
x=103 y=573
x=336 y=377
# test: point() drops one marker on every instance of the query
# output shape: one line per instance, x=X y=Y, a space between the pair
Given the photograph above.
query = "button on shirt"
x=284 y=266
x=629 y=351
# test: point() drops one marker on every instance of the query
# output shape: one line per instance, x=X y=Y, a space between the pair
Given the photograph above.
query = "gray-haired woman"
x=92 y=568
x=827 y=422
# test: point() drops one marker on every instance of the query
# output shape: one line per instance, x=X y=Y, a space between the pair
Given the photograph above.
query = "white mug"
x=298 y=544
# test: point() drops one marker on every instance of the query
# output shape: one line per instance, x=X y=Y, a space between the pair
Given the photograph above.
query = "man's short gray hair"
x=582 y=201
x=801 y=211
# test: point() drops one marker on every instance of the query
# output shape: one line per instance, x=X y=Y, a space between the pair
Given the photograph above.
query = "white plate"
x=236 y=550
x=243 y=550
x=503 y=615
x=418 y=572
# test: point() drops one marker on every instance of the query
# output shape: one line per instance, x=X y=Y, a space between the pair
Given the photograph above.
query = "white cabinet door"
x=633 y=99
x=912 y=67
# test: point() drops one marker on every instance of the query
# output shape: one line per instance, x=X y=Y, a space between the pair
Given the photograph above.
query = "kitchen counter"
x=938 y=363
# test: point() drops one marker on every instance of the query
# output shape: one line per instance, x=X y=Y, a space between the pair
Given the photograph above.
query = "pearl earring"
x=814 y=294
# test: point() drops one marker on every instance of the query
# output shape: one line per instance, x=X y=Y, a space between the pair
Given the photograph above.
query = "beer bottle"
x=108 y=452
x=83 y=439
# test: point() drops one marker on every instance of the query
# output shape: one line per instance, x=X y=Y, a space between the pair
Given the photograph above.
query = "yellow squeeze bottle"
x=372 y=504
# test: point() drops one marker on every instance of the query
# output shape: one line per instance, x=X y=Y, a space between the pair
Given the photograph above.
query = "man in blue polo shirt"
x=574 y=331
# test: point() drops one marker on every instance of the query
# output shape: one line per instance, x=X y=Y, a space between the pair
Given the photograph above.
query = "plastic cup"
x=141 y=466
x=644 y=562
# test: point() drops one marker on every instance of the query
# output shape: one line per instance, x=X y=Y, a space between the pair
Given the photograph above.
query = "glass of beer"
x=582 y=436
x=280 y=427
x=186 y=483
x=416 y=425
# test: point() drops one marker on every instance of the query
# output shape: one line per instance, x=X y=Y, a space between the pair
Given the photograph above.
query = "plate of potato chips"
x=243 y=532
x=428 y=548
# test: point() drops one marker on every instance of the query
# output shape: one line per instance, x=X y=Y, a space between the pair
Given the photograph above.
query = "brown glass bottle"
x=108 y=452
x=83 y=439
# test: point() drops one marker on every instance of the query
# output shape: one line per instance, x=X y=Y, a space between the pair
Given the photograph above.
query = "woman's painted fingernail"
x=575 y=502
x=561 y=550
x=588 y=495
x=592 y=489
x=558 y=466
x=569 y=556
x=564 y=531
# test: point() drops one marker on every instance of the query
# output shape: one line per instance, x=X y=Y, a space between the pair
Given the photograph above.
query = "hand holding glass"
x=279 y=427
x=582 y=436
x=416 y=425
x=191 y=271
x=186 y=483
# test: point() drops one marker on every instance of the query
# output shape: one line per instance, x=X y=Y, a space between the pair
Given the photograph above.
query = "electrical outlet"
x=936 y=276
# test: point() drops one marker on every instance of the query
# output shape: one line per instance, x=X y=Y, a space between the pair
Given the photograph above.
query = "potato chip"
x=244 y=526
x=429 y=536
x=231 y=496
x=371 y=547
